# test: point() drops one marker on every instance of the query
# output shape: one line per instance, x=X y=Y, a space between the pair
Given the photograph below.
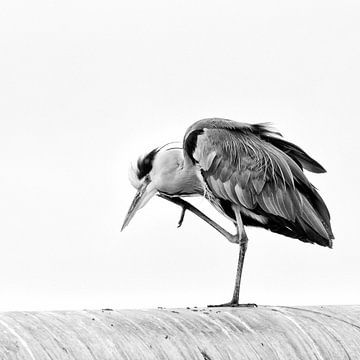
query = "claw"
x=181 y=216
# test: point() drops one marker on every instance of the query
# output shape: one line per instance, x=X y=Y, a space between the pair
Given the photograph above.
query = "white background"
x=88 y=86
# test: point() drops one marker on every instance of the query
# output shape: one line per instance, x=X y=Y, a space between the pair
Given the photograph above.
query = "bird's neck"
x=188 y=178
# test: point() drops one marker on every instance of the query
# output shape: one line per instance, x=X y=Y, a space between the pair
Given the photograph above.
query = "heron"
x=248 y=172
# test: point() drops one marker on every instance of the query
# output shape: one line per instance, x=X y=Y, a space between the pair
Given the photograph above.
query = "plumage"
x=248 y=172
x=251 y=166
x=144 y=165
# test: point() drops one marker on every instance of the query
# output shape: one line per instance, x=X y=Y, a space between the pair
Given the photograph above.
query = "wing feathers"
x=267 y=204
x=230 y=191
x=310 y=216
x=244 y=178
x=250 y=165
x=209 y=160
x=244 y=197
x=258 y=184
x=216 y=187
x=226 y=172
x=296 y=153
x=289 y=206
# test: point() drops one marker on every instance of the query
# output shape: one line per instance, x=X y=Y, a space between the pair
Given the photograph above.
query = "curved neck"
x=187 y=178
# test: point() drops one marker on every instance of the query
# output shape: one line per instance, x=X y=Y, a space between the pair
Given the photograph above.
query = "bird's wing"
x=239 y=165
x=264 y=131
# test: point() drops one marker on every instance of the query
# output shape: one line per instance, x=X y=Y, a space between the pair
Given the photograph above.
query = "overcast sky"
x=88 y=86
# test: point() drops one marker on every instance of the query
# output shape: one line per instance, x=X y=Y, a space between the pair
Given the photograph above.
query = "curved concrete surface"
x=265 y=332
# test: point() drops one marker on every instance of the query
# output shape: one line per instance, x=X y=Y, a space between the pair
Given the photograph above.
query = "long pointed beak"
x=144 y=194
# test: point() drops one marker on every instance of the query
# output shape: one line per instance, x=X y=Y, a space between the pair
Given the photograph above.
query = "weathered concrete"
x=266 y=332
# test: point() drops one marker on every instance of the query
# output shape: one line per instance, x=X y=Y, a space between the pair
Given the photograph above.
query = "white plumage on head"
x=142 y=167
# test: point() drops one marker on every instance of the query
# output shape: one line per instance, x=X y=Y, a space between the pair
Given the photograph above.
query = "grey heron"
x=248 y=172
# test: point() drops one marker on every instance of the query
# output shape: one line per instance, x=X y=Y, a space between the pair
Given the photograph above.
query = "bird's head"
x=154 y=173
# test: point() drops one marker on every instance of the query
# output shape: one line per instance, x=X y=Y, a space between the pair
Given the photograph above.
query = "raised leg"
x=187 y=206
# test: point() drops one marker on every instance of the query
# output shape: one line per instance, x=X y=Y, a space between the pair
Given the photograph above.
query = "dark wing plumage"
x=252 y=166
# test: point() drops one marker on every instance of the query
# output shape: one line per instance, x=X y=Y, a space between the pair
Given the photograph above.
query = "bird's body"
x=248 y=172
x=252 y=167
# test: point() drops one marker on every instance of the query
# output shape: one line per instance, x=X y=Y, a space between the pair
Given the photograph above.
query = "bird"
x=248 y=172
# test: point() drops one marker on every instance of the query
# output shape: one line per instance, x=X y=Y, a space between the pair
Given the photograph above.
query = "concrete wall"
x=322 y=332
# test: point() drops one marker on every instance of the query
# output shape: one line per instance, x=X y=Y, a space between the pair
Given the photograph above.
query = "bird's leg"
x=243 y=241
x=187 y=206
x=181 y=216
x=240 y=238
x=242 y=251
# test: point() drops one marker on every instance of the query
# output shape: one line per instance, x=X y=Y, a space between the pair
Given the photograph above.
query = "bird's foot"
x=181 y=216
x=234 y=304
